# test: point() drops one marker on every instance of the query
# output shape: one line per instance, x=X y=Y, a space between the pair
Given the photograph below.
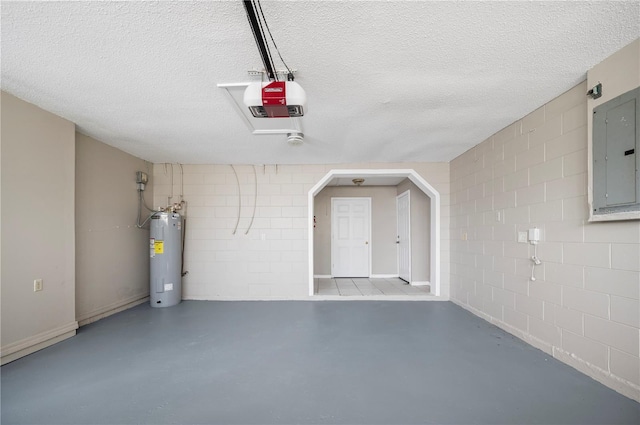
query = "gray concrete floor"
x=366 y=362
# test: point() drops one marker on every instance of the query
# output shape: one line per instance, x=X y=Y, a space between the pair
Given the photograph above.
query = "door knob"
x=366 y=243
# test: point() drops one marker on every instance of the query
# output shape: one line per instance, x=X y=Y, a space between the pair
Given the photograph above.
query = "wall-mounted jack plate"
x=37 y=285
x=522 y=237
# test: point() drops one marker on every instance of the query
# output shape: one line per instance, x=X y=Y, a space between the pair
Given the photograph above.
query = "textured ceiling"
x=386 y=81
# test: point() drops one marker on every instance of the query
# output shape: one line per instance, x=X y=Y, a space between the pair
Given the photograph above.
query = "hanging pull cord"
x=239 y=200
x=255 y=199
x=536 y=261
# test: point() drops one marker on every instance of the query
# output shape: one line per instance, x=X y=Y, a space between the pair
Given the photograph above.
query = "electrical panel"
x=141 y=177
x=616 y=135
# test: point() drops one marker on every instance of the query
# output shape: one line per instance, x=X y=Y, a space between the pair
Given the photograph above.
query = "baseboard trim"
x=318 y=298
x=372 y=276
x=624 y=387
x=37 y=342
x=420 y=283
x=110 y=309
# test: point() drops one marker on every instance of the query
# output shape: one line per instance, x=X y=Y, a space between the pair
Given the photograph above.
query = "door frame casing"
x=370 y=230
x=420 y=182
x=406 y=193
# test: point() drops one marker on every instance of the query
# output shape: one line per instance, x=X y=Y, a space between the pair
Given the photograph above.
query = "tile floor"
x=359 y=287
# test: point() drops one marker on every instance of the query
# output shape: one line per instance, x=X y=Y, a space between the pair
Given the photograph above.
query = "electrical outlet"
x=522 y=237
x=37 y=285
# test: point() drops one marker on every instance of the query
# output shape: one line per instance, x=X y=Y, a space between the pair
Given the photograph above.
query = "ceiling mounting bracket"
x=282 y=72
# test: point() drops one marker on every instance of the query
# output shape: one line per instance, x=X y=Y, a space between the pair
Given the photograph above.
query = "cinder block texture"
x=584 y=302
x=247 y=226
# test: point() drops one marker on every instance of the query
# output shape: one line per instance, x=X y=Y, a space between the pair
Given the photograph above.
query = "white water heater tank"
x=165 y=248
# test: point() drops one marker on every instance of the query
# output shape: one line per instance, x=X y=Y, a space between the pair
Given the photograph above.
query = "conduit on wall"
x=255 y=199
x=239 y=199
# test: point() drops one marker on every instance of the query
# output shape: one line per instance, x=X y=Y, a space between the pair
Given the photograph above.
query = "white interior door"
x=403 y=203
x=350 y=237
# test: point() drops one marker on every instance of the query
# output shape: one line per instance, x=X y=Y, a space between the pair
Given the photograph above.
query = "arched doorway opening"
x=380 y=175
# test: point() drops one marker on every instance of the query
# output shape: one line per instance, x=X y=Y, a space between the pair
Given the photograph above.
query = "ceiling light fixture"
x=295 y=139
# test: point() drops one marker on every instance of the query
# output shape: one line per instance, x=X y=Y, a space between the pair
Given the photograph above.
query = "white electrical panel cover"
x=616 y=132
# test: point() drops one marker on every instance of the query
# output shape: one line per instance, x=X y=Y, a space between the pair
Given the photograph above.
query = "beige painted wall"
x=271 y=261
x=383 y=227
x=38 y=168
x=584 y=306
x=112 y=263
x=420 y=209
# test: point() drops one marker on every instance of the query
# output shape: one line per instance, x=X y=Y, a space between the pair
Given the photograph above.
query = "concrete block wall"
x=271 y=260
x=583 y=307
